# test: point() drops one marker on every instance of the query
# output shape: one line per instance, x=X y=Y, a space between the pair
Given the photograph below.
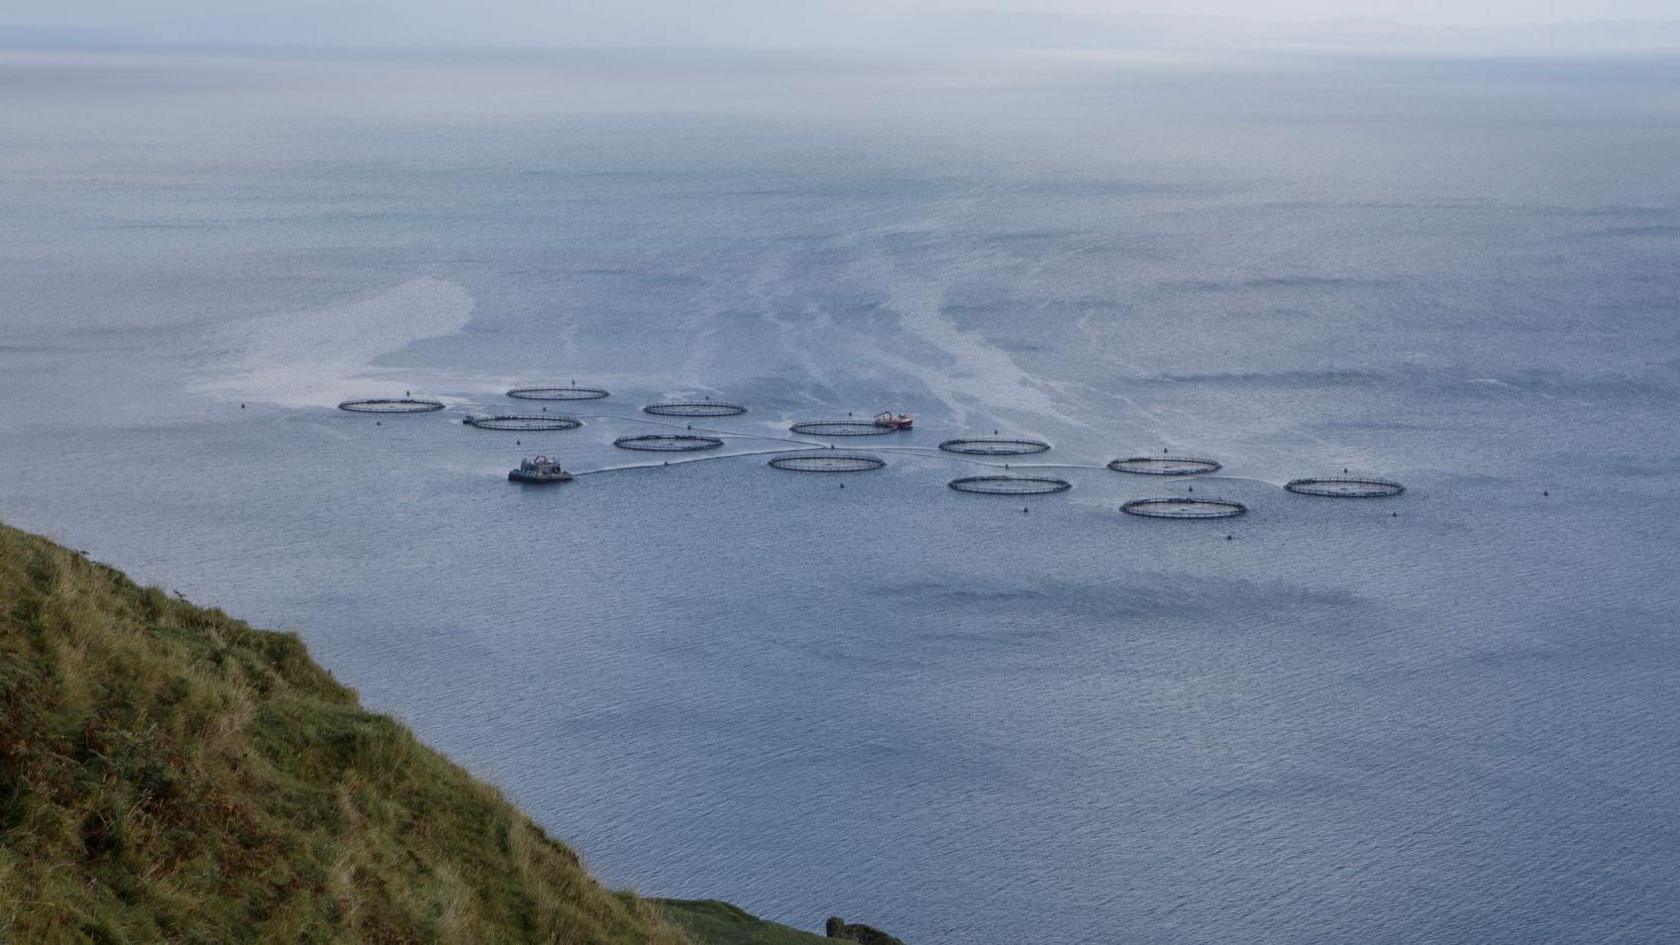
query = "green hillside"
x=719 y=923
x=169 y=774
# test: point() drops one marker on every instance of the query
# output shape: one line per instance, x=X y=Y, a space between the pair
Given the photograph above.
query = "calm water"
x=907 y=706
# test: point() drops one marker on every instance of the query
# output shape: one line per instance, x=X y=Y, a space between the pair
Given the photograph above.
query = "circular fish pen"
x=994 y=446
x=1010 y=485
x=1164 y=465
x=828 y=461
x=1184 y=508
x=564 y=392
x=695 y=408
x=839 y=428
x=391 y=405
x=668 y=443
x=523 y=423
x=1343 y=487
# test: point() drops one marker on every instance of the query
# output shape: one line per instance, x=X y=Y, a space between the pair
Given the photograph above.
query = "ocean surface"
x=1445 y=717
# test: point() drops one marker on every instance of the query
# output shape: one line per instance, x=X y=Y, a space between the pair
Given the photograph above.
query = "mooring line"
x=692 y=428
x=680 y=462
x=935 y=452
x=1237 y=478
x=1054 y=465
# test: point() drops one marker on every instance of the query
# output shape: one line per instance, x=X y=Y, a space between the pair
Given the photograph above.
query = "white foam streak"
x=320 y=356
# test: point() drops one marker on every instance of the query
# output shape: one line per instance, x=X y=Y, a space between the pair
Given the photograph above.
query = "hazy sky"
x=752 y=22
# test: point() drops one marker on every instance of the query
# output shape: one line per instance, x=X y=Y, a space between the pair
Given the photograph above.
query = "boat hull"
x=517 y=476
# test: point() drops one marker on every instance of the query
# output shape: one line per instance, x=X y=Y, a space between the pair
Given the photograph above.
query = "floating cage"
x=668 y=443
x=1010 y=485
x=839 y=428
x=695 y=408
x=1343 y=487
x=828 y=461
x=391 y=405
x=994 y=446
x=525 y=423
x=1176 y=507
x=565 y=392
x=1164 y=465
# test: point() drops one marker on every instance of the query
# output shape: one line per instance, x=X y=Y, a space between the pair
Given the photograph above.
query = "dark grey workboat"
x=538 y=470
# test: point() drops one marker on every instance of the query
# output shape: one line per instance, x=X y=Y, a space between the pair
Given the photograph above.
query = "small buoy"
x=1005 y=465
x=376 y=423
x=1344 y=470
x=1163 y=450
x=1023 y=510
x=842 y=485
x=1229 y=537
x=516 y=443
x=994 y=433
x=1394 y=515
x=667 y=462
x=1192 y=488
x=1545 y=492
x=848 y=413
x=241 y=406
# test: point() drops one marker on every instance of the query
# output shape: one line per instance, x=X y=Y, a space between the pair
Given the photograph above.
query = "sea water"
x=1444 y=717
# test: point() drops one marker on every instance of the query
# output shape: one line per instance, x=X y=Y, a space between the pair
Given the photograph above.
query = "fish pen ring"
x=391 y=405
x=1177 y=507
x=524 y=423
x=828 y=461
x=564 y=392
x=1344 y=487
x=840 y=428
x=1010 y=485
x=695 y=408
x=994 y=446
x=1164 y=465
x=668 y=442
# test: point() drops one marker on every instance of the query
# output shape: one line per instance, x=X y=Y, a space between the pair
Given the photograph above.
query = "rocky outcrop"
x=862 y=934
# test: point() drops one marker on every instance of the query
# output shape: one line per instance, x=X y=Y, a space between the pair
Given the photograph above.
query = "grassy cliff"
x=169 y=774
x=719 y=923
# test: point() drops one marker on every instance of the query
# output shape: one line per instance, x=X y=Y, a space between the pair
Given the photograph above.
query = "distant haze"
x=1429 y=24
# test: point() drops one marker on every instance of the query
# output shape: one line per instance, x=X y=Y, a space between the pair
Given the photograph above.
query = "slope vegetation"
x=719 y=923
x=169 y=774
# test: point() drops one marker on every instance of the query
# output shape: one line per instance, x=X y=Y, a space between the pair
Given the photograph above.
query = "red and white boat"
x=894 y=421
